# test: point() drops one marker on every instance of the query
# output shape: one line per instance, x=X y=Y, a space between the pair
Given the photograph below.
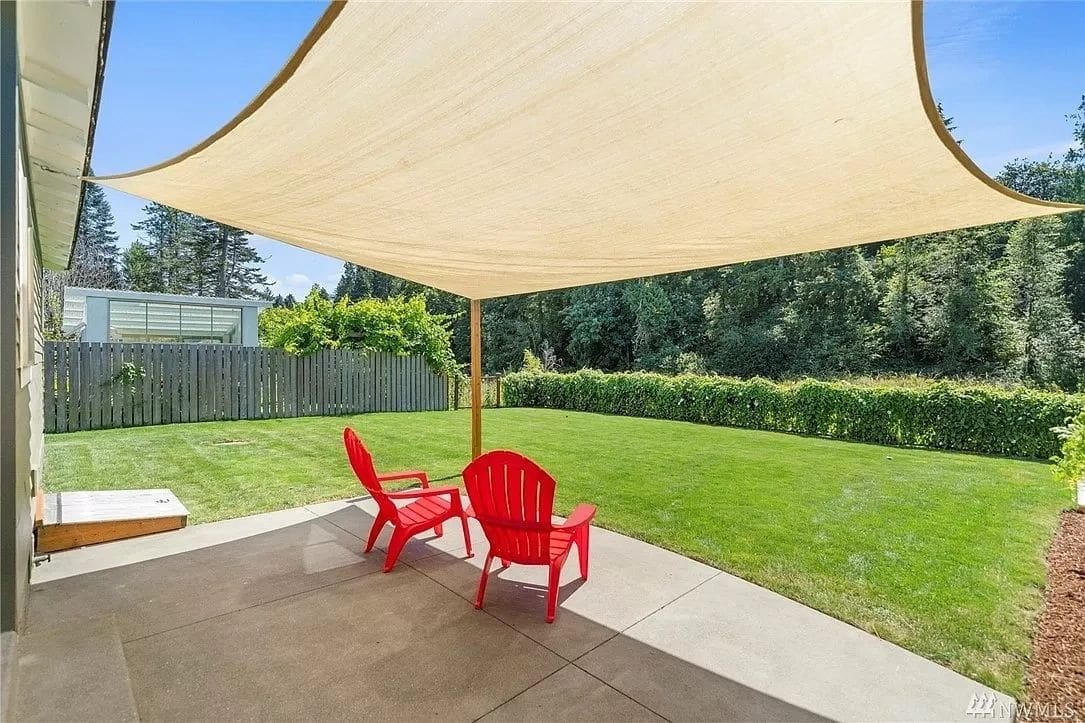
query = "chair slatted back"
x=513 y=499
x=361 y=461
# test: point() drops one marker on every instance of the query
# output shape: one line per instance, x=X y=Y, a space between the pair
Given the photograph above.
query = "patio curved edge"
x=207 y=613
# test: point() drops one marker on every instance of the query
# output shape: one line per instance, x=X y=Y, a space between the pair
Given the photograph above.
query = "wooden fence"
x=99 y=385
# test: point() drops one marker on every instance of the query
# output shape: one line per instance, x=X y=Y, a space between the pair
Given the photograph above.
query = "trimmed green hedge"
x=971 y=418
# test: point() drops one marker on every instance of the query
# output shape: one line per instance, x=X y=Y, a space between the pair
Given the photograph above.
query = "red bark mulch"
x=1056 y=673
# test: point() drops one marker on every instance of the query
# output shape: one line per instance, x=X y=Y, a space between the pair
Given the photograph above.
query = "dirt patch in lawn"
x=1056 y=675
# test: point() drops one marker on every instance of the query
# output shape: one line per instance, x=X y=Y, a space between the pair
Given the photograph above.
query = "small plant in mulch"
x=1056 y=675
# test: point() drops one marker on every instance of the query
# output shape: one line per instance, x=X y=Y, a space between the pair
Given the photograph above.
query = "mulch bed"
x=1056 y=675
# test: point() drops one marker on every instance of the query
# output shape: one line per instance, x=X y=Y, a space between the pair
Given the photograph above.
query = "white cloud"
x=296 y=284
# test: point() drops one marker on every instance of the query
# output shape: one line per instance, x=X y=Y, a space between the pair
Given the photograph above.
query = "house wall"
x=96 y=319
x=250 y=333
x=21 y=437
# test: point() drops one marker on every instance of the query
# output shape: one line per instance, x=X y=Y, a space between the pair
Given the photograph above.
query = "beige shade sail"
x=500 y=148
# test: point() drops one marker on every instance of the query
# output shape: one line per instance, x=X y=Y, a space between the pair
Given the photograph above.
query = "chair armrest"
x=582 y=515
x=406 y=474
x=427 y=492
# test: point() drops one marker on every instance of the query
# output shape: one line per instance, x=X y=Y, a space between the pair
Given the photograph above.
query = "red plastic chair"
x=429 y=509
x=513 y=499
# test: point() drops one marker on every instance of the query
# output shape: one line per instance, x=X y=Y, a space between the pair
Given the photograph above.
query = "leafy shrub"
x=1070 y=464
x=397 y=325
x=531 y=362
x=944 y=415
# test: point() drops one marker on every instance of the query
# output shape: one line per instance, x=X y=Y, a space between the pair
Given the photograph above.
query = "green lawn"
x=941 y=553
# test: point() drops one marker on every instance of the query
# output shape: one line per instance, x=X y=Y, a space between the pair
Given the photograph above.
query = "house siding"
x=21 y=438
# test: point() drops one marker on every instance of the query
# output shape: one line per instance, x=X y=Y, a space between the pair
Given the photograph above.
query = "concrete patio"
x=280 y=617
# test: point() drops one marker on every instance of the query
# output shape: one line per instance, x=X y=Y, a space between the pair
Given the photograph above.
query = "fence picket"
x=91 y=391
x=63 y=388
x=49 y=401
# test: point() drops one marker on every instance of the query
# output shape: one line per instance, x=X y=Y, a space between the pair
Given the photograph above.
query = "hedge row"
x=971 y=418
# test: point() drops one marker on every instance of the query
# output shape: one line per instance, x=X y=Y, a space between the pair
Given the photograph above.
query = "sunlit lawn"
x=941 y=553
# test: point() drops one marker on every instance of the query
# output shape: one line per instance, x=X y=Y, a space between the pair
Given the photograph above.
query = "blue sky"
x=1008 y=73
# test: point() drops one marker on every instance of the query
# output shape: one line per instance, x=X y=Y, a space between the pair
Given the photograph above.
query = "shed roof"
x=80 y=292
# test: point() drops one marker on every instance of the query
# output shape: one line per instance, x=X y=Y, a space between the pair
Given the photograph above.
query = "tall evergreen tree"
x=141 y=272
x=94 y=261
x=354 y=284
x=95 y=255
x=1049 y=343
x=194 y=255
x=968 y=313
x=902 y=333
x=238 y=274
x=168 y=235
x=1061 y=179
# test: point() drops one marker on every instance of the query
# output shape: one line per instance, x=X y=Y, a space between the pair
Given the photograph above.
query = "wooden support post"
x=476 y=378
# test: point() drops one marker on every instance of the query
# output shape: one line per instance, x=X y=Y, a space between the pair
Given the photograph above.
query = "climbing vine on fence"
x=946 y=415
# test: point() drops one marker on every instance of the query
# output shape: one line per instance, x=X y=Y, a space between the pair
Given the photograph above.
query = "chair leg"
x=466 y=534
x=399 y=539
x=582 y=549
x=439 y=529
x=375 y=531
x=505 y=563
x=552 y=592
x=482 y=581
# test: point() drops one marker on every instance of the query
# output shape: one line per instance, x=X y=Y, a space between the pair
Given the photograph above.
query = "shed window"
x=154 y=321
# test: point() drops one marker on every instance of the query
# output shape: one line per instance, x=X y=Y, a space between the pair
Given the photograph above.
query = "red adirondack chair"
x=429 y=509
x=513 y=499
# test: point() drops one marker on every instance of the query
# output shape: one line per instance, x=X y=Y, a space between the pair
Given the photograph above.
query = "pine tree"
x=1061 y=179
x=360 y=282
x=902 y=333
x=968 y=315
x=94 y=260
x=140 y=270
x=238 y=266
x=94 y=255
x=193 y=255
x=1049 y=343
x=354 y=284
x=168 y=235
x=201 y=259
